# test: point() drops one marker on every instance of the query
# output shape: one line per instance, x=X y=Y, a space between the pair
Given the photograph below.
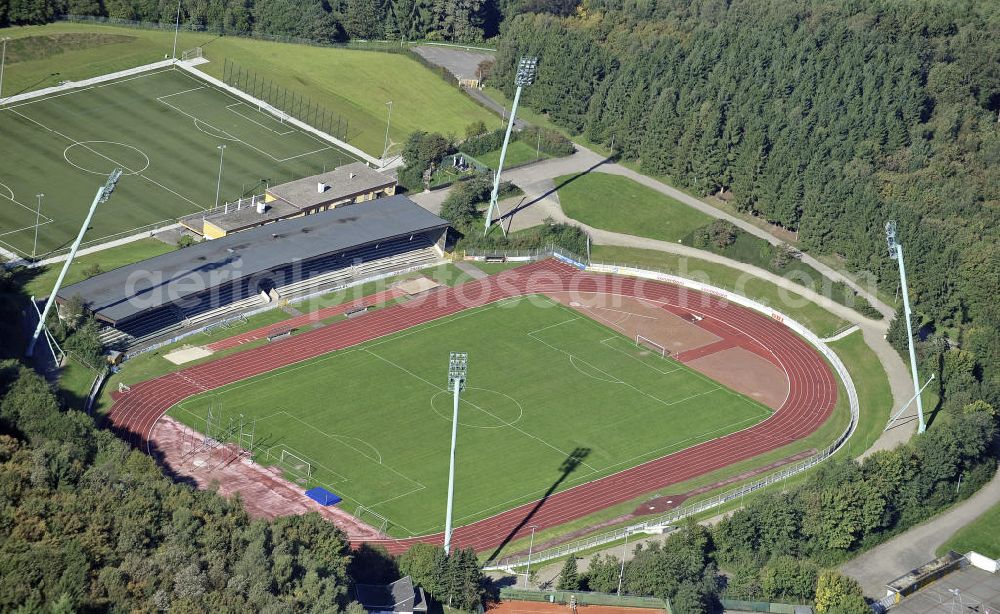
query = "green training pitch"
x=372 y=423
x=164 y=129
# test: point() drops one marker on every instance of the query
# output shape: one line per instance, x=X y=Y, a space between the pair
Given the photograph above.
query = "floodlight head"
x=526 y=69
x=890 y=237
x=458 y=368
x=109 y=185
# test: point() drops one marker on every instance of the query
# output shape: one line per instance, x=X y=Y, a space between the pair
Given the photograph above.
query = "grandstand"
x=215 y=280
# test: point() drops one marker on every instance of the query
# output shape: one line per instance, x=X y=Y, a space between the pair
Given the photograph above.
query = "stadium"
x=597 y=397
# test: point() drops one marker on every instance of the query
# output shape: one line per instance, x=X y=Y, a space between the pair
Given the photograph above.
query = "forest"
x=826 y=118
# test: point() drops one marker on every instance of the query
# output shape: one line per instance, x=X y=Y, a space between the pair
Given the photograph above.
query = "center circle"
x=479 y=408
x=102 y=157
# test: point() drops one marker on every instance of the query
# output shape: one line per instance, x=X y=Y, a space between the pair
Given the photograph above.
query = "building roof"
x=342 y=182
x=130 y=290
x=400 y=596
x=247 y=216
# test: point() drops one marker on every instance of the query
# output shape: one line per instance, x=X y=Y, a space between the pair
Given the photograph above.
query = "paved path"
x=908 y=550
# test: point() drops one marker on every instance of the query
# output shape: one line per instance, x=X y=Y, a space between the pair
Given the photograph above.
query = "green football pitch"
x=164 y=129
x=372 y=423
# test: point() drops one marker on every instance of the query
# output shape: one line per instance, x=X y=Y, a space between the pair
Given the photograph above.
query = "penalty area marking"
x=253 y=121
x=213 y=132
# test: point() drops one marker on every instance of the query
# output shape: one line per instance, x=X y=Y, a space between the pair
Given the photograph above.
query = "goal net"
x=296 y=465
x=648 y=343
x=191 y=54
x=372 y=518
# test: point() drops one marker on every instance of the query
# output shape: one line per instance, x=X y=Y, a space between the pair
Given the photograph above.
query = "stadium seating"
x=294 y=279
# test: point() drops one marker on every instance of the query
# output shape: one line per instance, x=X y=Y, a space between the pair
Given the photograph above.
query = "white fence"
x=72 y=85
x=660 y=523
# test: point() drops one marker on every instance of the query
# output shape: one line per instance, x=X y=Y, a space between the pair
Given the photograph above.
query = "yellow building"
x=344 y=185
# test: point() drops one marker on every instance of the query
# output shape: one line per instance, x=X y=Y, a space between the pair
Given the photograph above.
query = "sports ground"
x=164 y=129
x=563 y=418
x=545 y=382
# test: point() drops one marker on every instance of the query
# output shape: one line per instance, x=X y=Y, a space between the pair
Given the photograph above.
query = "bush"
x=549 y=141
x=483 y=143
x=92 y=270
x=186 y=241
x=722 y=233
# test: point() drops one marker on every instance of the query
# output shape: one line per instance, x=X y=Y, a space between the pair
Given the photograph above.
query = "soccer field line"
x=10 y=232
x=615 y=379
x=231 y=136
x=485 y=411
x=637 y=359
x=84 y=89
x=303 y=456
x=340 y=437
x=112 y=160
x=682 y=367
x=335 y=354
x=253 y=121
x=22 y=205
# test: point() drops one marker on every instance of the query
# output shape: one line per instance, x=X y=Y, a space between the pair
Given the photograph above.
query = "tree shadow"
x=568 y=466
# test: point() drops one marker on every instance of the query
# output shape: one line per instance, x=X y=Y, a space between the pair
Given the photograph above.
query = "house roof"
x=122 y=293
x=400 y=596
x=342 y=182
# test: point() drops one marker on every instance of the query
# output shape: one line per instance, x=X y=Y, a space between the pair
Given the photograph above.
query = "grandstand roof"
x=130 y=290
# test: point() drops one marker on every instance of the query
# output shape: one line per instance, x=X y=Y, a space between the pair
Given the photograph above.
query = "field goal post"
x=370 y=516
x=641 y=341
x=191 y=54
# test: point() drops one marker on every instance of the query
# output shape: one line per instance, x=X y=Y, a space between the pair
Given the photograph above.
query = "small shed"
x=400 y=597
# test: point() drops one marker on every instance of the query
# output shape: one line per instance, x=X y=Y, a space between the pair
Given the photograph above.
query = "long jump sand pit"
x=187 y=354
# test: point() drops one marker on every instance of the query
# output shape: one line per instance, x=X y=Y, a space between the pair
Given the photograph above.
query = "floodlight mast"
x=458 y=367
x=103 y=193
x=526 y=70
x=896 y=251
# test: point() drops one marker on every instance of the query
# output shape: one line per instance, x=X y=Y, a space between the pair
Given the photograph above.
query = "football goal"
x=372 y=517
x=648 y=343
x=295 y=465
x=191 y=54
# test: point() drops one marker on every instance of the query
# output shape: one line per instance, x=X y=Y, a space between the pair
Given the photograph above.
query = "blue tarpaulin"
x=322 y=496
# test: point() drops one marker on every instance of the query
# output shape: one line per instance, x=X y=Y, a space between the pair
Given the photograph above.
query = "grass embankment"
x=518 y=152
x=981 y=535
x=619 y=204
x=352 y=83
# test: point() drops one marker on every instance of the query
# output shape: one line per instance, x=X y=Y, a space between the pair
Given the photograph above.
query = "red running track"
x=810 y=401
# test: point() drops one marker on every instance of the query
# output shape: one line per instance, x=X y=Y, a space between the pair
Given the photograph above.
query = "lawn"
x=352 y=83
x=619 y=204
x=518 y=152
x=981 y=535
x=164 y=129
x=383 y=442
x=813 y=316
